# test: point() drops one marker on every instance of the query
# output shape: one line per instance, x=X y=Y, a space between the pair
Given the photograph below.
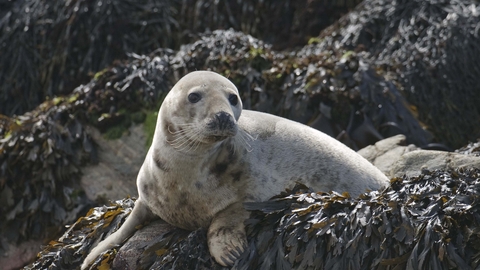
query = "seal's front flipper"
x=140 y=214
x=226 y=235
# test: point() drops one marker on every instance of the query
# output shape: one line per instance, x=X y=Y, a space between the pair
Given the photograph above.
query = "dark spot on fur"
x=236 y=176
x=160 y=162
x=198 y=185
x=219 y=169
x=182 y=203
x=145 y=189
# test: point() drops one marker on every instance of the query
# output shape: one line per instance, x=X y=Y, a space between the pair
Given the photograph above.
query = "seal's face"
x=203 y=108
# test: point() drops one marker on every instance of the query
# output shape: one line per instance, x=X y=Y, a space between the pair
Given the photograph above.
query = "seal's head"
x=202 y=108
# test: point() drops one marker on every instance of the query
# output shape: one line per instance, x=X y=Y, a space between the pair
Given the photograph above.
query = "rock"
x=385 y=153
x=146 y=242
x=414 y=163
x=396 y=159
x=19 y=255
x=114 y=177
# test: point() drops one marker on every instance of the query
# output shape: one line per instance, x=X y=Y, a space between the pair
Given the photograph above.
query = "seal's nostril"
x=224 y=119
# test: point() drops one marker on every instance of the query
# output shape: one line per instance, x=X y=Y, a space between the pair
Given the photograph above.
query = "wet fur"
x=195 y=176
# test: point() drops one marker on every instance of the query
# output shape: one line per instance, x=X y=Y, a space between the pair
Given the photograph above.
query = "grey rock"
x=141 y=246
x=412 y=164
x=394 y=158
x=114 y=176
x=385 y=153
x=19 y=255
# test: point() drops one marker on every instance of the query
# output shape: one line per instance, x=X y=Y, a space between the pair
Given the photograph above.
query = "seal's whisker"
x=181 y=140
x=234 y=146
x=181 y=136
x=197 y=143
x=186 y=128
x=248 y=135
x=186 y=132
x=245 y=138
x=187 y=124
x=189 y=141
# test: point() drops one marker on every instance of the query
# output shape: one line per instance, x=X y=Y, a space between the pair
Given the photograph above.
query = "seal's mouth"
x=219 y=138
x=219 y=135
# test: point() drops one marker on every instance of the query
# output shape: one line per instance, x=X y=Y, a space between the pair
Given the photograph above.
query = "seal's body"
x=208 y=157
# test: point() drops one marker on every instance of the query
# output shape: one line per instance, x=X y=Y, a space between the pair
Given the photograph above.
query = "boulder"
x=385 y=153
x=394 y=158
x=114 y=176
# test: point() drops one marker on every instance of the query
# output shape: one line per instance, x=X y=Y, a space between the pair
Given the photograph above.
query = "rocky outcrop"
x=413 y=163
x=396 y=159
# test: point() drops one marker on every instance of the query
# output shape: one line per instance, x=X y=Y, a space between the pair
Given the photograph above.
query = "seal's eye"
x=194 y=97
x=233 y=99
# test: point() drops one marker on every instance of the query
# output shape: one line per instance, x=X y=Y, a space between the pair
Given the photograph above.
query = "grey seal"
x=208 y=157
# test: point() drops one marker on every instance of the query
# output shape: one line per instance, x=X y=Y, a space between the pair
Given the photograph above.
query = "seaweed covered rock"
x=364 y=58
x=65 y=253
x=40 y=158
x=331 y=90
x=50 y=47
x=42 y=152
x=54 y=46
x=328 y=89
x=472 y=148
x=423 y=222
x=429 y=49
x=345 y=83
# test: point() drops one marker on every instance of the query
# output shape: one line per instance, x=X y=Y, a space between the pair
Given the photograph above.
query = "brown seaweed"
x=424 y=222
x=42 y=152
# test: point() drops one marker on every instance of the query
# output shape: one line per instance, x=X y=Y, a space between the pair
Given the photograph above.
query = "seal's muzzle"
x=223 y=124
